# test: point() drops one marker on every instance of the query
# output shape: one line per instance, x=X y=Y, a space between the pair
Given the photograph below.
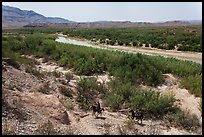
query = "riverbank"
x=191 y=56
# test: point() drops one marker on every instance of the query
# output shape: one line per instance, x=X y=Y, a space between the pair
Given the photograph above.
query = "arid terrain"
x=34 y=105
x=81 y=70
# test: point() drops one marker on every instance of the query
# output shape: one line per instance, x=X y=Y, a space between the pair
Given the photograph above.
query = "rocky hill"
x=15 y=17
x=114 y=24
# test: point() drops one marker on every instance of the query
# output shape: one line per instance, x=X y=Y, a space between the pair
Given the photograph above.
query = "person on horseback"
x=98 y=106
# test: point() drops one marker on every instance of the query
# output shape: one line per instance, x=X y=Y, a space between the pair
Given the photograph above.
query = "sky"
x=115 y=11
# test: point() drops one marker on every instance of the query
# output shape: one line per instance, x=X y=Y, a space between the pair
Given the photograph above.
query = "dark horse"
x=97 y=109
x=137 y=115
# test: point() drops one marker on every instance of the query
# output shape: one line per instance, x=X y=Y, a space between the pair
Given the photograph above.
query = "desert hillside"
x=35 y=101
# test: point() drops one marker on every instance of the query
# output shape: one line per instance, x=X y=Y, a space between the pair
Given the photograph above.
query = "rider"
x=98 y=106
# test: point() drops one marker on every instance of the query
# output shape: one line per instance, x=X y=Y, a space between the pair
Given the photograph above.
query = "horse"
x=137 y=115
x=98 y=110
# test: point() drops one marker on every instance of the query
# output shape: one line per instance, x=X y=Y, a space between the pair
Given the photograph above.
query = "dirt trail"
x=115 y=123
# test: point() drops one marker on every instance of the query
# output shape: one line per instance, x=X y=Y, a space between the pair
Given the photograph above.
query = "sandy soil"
x=192 y=56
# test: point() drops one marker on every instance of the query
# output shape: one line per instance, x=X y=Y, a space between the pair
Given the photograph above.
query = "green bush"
x=152 y=103
x=12 y=62
x=183 y=119
x=56 y=73
x=193 y=84
x=87 y=88
x=114 y=101
x=123 y=94
x=68 y=76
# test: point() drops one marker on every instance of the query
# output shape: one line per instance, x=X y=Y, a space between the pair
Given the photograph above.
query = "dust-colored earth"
x=192 y=56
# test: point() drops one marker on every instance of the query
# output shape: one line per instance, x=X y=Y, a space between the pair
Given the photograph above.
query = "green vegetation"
x=88 y=89
x=183 y=119
x=134 y=68
x=56 y=73
x=129 y=71
x=193 y=84
x=151 y=102
x=186 y=38
x=68 y=76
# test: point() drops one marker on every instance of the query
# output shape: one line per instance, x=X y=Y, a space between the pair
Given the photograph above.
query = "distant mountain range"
x=194 y=21
x=13 y=17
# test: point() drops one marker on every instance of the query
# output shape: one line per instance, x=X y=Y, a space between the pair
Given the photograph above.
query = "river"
x=195 y=57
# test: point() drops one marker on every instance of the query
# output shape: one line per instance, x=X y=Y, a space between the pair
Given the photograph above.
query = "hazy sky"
x=115 y=11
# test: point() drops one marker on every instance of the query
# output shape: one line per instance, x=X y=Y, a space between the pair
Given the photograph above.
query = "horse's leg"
x=100 y=113
x=137 y=120
x=96 y=114
x=93 y=113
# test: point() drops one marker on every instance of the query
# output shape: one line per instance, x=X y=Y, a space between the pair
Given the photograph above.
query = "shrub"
x=65 y=91
x=87 y=89
x=63 y=62
x=12 y=62
x=68 y=76
x=46 y=128
x=32 y=70
x=68 y=103
x=153 y=103
x=193 y=84
x=183 y=119
x=56 y=73
x=114 y=100
x=45 y=89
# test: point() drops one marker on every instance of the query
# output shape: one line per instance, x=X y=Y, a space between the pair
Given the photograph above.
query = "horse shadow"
x=141 y=124
x=100 y=117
